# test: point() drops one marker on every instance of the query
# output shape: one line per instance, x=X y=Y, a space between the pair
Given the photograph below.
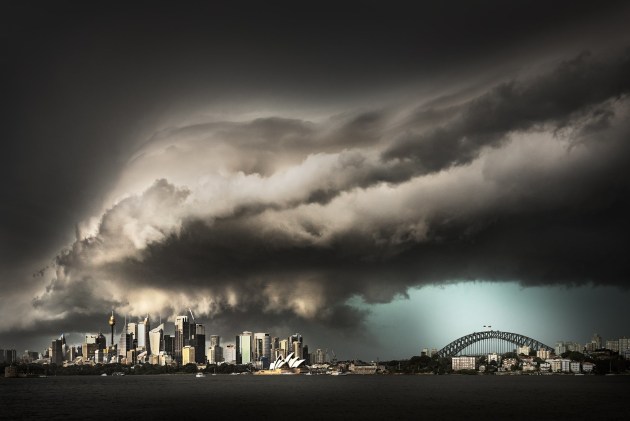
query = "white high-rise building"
x=143 y=334
x=132 y=328
x=229 y=354
x=156 y=340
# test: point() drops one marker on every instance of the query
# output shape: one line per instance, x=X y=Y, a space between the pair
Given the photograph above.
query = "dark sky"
x=268 y=164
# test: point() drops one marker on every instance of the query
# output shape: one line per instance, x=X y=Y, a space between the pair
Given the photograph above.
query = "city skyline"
x=364 y=174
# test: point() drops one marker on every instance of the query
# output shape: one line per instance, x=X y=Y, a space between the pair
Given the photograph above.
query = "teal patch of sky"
x=433 y=316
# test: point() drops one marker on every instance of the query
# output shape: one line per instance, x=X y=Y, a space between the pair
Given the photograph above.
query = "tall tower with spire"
x=112 y=323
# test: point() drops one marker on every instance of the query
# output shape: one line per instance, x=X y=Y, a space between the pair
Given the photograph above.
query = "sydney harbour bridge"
x=483 y=343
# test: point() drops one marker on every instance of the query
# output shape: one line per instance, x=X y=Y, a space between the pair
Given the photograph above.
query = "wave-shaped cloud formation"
x=274 y=216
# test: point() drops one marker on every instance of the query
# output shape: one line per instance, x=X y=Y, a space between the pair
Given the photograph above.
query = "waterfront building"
x=215 y=355
x=284 y=348
x=198 y=341
x=215 y=351
x=229 y=354
x=188 y=355
x=463 y=363
x=555 y=364
x=566 y=365
x=574 y=366
x=588 y=367
x=57 y=352
x=156 y=340
x=624 y=345
x=275 y=347
x=182 y=337
x=244 y=352
x=262 y=346
x=545 y=366
x=296 y=345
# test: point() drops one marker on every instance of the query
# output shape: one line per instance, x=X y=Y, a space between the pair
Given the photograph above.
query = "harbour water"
x=186 y=397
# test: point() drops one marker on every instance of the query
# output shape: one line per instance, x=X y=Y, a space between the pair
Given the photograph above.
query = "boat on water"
x=200 y=375
x=337 y=373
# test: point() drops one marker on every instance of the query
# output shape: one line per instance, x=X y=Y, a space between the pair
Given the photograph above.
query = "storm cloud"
x=526 y=182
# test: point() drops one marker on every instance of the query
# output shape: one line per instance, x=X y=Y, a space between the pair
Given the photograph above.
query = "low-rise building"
x=463 y=363
x=588 y=367
x=566 y=365
x=555 y=364
x=574 y=366
x=509 y=362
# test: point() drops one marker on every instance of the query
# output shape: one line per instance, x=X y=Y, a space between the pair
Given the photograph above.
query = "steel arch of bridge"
x=465 y=341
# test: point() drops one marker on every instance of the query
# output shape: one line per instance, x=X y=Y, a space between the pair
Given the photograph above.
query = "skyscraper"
x=125 y=344
x=156 y=340
x=295 y=345
x=169 y=345
x=101 y=341
x=143 y=334
x=229 y=354
x=262 y=346
x=132 y=329
x=215 y=351
x=182 y=336
x=198 y=341
x=57 y=352
x=244 y=348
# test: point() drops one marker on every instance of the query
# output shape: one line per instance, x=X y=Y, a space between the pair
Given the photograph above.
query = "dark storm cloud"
x=575 y=86
x=553 y=214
